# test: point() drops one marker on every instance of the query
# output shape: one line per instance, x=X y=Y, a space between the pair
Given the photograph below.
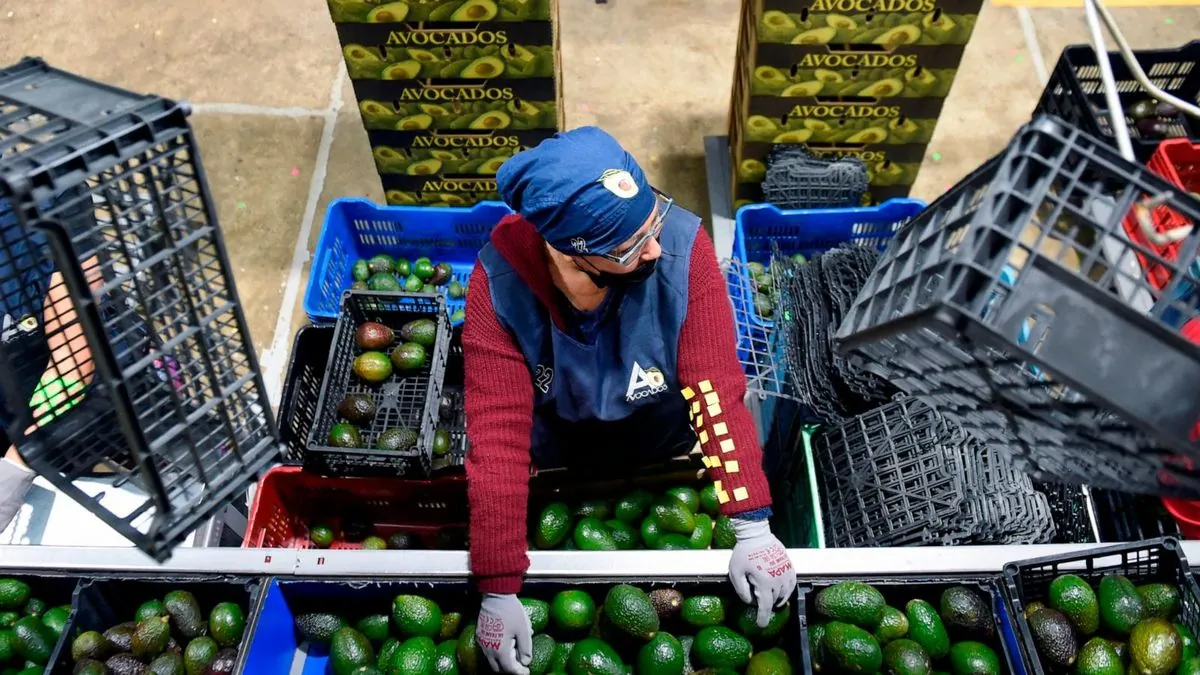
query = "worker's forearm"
x=714 y=387
x=14 y=483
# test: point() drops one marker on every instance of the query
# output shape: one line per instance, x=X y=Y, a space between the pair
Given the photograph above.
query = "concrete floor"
x=281 y=136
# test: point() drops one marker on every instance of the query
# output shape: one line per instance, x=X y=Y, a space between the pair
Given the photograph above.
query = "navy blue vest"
x=617 y=399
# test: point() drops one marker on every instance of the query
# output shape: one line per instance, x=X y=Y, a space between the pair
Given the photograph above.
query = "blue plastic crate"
x=811 y=231
x=357 y=229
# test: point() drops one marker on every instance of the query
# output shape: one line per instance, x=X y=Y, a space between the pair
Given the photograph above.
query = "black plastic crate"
x=1122 y=517
x=897 y=591
x=409 y=399
x=1076 y=94
x=1015 y=304
x=1160 y=560
x=115 y=287
x=100 y=604
x=302 y=389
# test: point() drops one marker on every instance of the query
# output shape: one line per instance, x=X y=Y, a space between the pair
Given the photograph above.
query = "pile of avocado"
x=472 y=62
x=361 y=531
x=882 y=173
x=422 y=162
x=890 y=29
x=1112 y=629
x=463 y=11
x=166 y=637
x=856 y=631
x=514 y=113
x=849 y=131
x=679 y=519
x=382 y=272
x=625 y=631
x=915 y=82
x=766 y=293
x=29 y=629
x=1155 y=120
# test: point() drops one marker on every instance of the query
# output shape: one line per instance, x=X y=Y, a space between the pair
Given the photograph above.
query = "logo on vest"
x=543 y=376
x=644 y=382
x=579 y=244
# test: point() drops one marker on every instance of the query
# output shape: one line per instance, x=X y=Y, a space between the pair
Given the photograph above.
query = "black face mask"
x=632 y=278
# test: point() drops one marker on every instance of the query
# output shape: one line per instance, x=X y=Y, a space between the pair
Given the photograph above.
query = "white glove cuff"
x=751 y=529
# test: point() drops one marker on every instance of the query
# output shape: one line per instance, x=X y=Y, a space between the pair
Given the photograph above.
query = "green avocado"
x=482 y=68
x=553 y=526
x=893 y=626
x=852 y=602
x=404 y=70
x=572 y=613
x=592 y=535
x=1160 y=600
x=673 y=516
x=349 y=651
x=420 y=331
x=905 y=657
x=409 y=356
x=592 y=656
x=1097 y=657
x=850 y=649
x=392 y=12
x=662 y=655
x=476 y=10
x=700 y=611
x=1154 y=647
x=629 y=610
x=492 y=119
x=418 y=122
x=32 y=641
x=185 y=614
x=396 y=440
x=973 y=658
x=720 y=647
x=1121 y=607
x=1074 y=597
x=925 y=628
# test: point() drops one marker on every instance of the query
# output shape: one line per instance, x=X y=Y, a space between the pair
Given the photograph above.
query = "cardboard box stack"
x=862 y=78
x=450 y=89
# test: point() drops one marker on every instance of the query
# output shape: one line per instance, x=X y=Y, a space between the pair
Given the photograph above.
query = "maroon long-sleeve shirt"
x=499 y=402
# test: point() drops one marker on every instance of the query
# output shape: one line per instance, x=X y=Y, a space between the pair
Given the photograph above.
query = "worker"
x=599 y=335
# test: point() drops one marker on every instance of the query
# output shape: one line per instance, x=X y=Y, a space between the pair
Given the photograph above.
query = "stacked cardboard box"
x=450 y=89
x=862 y=78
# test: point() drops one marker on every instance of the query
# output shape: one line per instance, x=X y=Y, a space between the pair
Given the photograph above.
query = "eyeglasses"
x=664 y=204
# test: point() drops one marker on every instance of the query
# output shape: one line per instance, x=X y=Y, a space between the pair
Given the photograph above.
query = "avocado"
x=852 y=602
x=374 y=627
x=920 y=80
x=771 y=662
x=408 y=356
x=630 y=611
x=386 y=653
x=938 y=26
x=32 y=641
x=592 y=656
x=1073 y=596
x=321 y=535
x=893 y=625
x=673 y=542
x=1188 y=638
x=227 y=625
x=777 y=26
x=1121 y=607
x=1154 y=647
x=883 y=88
x=441 y=274
x=413 y=284
x=1097 y=657
x=687 y=495
x=150 y=637
x=905 y=657
x=794 y=137
x=850 y=649
x=553 y=526
x=55 y=619
x=1053 y=636
x=424 y=167
x=572 y=613
x=965 y=612
x=120 y=636
x=701 y=536
x=224 y=662
x=760 y=128
x=373 y=336
x=85 y=667
x=925 y=628
x=14 y=593
x=126 y=664
x=383 y=282
x=415 y=656
x=167 y=664
x=815 y=36
x=803 y=89
x=1189 y=667
x=441 y=442
x=592 y=535
x=342 y=435
x=868 y=135
x=404 y=70
x=769 y=79
x=149 y=609
x=373 y=367
x=88 y=645
x=708 y=500
x=699 y=611
x=459 y=315
x=751 y=171
x=381 y=264
x=392 y=12
x=357 y=408
x=388 y=160
x=203 y=650
x=973 y=658
x=672 y=515
x=746 y=622
x=349 y=650
x=418 y=122
x=456 y=290
x=724 y=535
x=7 y=619
x=562 y=655
x=816 y=642
x=492 y=119
x=483 y=68
x=900 y=35
x=624 y=536
x=667 y=602
x=416 y=616
x=468 y=652
x=662 y=655
x=1160 y=600
x=422 y=268
x=476 y=10
x=420 y=331
x=543 y=654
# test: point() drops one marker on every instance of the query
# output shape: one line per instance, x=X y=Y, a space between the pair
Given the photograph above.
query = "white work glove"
x=759 y=568
x=505 y=634
x=14 y=483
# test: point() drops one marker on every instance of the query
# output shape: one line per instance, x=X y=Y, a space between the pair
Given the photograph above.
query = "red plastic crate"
x=288 y=500
x=1178 y=161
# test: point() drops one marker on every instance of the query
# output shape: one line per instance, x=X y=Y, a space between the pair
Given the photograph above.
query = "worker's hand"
x=505 y=634
x=760 y=569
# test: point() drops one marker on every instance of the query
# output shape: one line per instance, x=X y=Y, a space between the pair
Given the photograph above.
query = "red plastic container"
x=1178 y=161
x=288 y=501
x=1186 y=513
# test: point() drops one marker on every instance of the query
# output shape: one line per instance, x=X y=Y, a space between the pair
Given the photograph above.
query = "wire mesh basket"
x=797 y=180
x=125 y=348
x=1016 y=304
x=759 y=352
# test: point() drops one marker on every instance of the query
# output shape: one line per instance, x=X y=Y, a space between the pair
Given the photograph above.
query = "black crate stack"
x=844 y=78
x=450 y=89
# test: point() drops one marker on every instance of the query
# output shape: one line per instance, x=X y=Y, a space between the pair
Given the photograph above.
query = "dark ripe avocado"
x=321 y=535
x=396 y=440
x=357 y=408
x=1141 y=109
x=1121 y=607
x=381 y=264
x=90 y=667
x=1154 y=647
x=403 y=267
x=373 y=367
x=167 y=664
x=408 y=356
x=1054 y=637
x=666 y=601
x=965 y=612
x=413 y=284
x=223 y=664
x=316 y=627
x=423 y=269
x=90 y=645
x=226 y=624
x=383 y=282
x=403 y=541
x=150 y=637
x=455 y=290
x=120 y=636
x=342 y=435
x=441 y=442
x=361 y=271
x=441 y=274
x=374 y=336
x=126 y=664
x=420 y=331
